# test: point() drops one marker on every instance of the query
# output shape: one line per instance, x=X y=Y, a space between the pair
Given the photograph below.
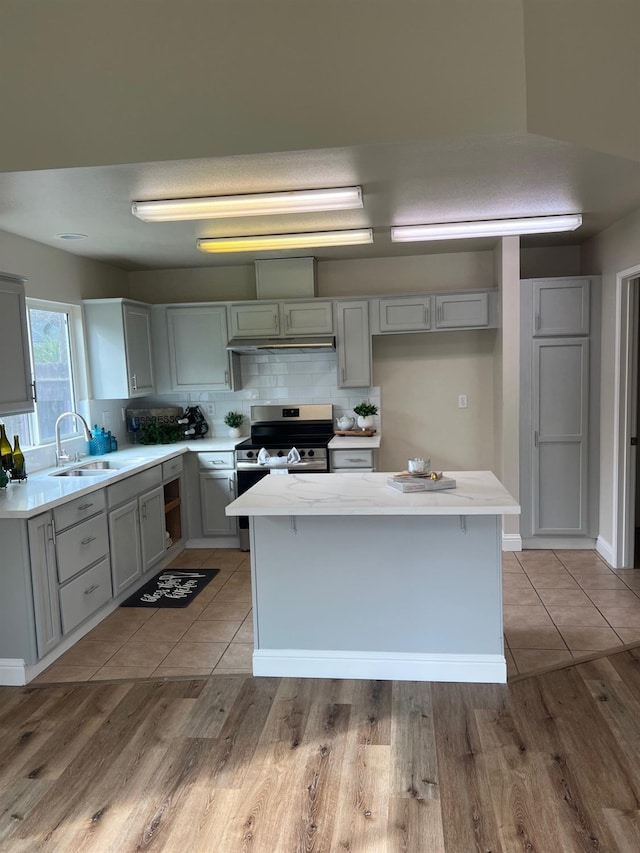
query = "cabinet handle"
x=535 y=438
x=424 y=308
x=85 y=506
x=342 y=374
x=134 y=382
x=537 y=322
x=144 y=511
x=226 y=377
x=34 y=395
x=52 y=533
x=355 y=460
x=92 y=589
x=231 y=486
x=286 y=321
x=276 y=322
x=88 y=540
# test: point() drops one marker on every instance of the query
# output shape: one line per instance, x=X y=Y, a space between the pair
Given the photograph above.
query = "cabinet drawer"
x=351 y=459
x=81 y=546
x=215 y=461
x=172 y=468
x=77 y=510
x=84 y=595
x=133 y=486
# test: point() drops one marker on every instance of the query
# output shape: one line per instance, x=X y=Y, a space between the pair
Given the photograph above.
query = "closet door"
x=560 y=417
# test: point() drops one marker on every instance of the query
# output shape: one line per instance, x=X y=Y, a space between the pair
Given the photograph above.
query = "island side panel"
x=380 y=585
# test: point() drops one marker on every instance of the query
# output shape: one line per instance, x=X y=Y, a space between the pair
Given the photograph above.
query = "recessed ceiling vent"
x=286 y=278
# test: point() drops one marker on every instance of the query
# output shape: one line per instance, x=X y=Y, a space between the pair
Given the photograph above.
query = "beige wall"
x=420 y=377
x=550 y=261
x=216 y=284
x=611 y=252
x=57 y=275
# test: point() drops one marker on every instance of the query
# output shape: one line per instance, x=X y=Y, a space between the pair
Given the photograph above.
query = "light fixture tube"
x=486 y=228
x=257 y=204
x=315 y=239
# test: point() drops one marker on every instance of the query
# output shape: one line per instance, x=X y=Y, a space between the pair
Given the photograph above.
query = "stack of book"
x=406 y=482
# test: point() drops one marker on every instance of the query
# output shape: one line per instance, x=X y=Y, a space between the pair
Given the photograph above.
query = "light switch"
x=462 y=401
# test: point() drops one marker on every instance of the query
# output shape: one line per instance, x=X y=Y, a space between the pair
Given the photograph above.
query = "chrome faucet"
x=61 y=455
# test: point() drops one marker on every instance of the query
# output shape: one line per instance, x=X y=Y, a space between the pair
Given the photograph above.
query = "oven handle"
x=320 y=465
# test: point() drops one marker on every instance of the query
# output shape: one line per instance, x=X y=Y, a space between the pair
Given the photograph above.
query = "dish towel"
x=264 y=458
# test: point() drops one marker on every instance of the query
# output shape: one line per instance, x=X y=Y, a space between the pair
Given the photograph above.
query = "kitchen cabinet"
x=136 y=526
x=119 y=348
x=353 y=344
x=190 y=348
x=559 y=385
x=282 y=319
x=349 y=461
x=44 y=581
x=561 y=307
x=405 y=314
x=461 y=310
x=16 y=389
x=217 y=480
x=82 y=596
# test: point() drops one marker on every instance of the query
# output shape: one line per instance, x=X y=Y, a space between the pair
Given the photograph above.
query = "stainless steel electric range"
x=275 y=432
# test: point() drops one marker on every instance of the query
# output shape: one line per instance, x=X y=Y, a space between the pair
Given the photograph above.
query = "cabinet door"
x=560 y=410
x=124 y=536
x=255 y=320
x=152 y=527
x=45 y=582
x=561 y=307
x=308 y=318
x=15 y=372
x=405 y=314
x=217 y=490
x=461 y=310
x=353 y=343
x=137 y=333
x=197 y=347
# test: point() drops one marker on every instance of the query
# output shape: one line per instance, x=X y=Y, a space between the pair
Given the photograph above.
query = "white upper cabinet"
x=313 y=317
x=15 y=371
x=197 y=337
x=255 y=319
x=561 y=307
x=461 y=310
x=119 y=348
x=353 y=344
x=405 y=314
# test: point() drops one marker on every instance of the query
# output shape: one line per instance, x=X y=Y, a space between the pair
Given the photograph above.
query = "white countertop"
x=41 y=491
x=476 y=493
x=355 y=442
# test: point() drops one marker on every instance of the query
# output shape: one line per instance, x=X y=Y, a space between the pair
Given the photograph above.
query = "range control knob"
x=302 y=453
x=281 y=453
x=249 y=454
x=311 y=453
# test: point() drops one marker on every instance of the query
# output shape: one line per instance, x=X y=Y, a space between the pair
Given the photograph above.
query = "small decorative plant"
x=233 y=419
x=365 y=410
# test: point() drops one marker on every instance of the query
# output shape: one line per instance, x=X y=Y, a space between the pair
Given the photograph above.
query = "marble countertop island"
x=476 y=493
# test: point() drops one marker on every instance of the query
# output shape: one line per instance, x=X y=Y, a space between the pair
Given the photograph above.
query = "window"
x=52 y=368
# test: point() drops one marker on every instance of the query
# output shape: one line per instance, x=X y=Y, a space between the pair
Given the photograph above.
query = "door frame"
x=624 y=455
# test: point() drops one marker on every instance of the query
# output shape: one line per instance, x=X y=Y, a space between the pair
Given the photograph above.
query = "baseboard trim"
x=397 y=666
x=213 y=542
x=12 y=672
x=511 y=542
x=559 y=543
x=605 y=549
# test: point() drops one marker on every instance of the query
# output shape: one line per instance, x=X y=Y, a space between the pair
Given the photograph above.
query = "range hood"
x=324 y=343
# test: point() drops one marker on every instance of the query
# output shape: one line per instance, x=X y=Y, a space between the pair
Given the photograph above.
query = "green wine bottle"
x=18 y=470
x=6 y=460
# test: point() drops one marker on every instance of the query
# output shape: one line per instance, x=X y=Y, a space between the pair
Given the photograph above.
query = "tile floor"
x=212 y=634
x=558 y=605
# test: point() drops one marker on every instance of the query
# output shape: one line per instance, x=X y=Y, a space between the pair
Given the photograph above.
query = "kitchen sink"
x=89 y=469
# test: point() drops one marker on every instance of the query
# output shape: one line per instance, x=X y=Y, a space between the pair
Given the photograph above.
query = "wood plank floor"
x=229 y=763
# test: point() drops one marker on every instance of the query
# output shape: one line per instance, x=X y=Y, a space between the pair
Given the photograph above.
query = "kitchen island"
x=353 y=579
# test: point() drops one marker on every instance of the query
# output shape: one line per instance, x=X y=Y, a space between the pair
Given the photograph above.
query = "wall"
x=612 y=251
x=215 y=284
x=550 y=261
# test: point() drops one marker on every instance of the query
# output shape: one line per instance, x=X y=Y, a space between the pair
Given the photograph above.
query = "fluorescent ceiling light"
x=257 y=204
x=486 y=228
x=315 y=239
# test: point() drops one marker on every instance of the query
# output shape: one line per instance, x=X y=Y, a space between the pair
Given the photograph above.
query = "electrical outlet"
x=462 y=401
x=106 y=420
x=210 y=409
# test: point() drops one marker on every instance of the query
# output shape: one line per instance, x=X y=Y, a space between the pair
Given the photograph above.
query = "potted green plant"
x=365 y=412
x=234 y=421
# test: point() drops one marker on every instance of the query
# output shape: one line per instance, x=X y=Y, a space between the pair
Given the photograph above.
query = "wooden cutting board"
x=359 y=432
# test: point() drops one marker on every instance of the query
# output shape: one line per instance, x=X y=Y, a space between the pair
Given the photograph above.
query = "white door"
x=124 y=536
x=152 y=527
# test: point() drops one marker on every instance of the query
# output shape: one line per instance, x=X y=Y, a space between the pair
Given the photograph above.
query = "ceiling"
x=414 y=183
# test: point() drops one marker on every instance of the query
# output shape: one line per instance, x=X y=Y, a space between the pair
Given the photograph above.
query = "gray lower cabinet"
x=560 y=415
x=217 y=490
x=353 y=344
x=136 y=526
x=44 y=581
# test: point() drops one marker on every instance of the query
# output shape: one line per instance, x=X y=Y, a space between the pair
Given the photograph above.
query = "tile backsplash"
x=274 y=378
